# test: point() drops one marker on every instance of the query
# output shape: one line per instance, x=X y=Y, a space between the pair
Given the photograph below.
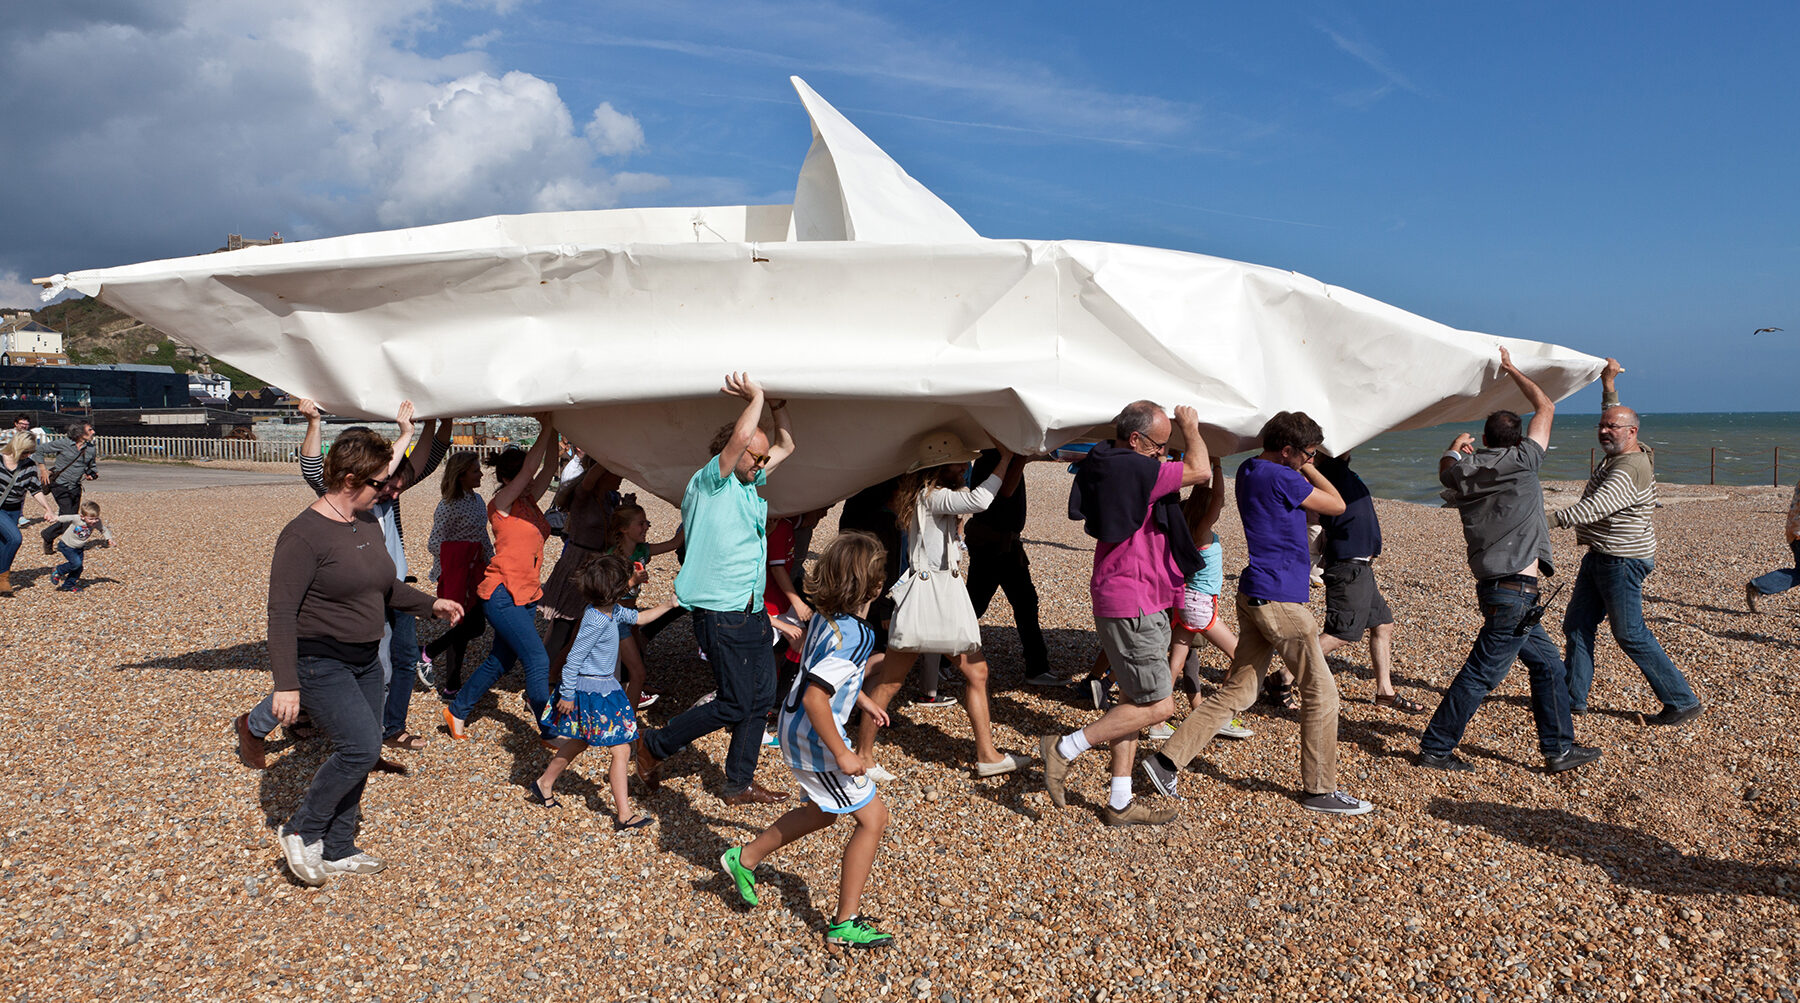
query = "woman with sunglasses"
x=510 y=589
x=330 y=586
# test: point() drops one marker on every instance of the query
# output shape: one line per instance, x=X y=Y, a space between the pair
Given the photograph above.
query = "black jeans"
x=738 y=646
x=68 y=502
x=1006 y=568
x=344 y=700
x=455 y=641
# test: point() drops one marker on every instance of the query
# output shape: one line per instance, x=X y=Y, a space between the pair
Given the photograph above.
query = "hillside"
x=96 y=333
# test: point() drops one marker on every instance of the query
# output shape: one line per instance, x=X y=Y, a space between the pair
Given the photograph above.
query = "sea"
x=1743 y=448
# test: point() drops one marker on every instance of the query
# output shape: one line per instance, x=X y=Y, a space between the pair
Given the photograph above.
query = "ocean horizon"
x=1692 y=447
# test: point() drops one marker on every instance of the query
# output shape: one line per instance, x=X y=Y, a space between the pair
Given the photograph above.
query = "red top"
x=519 y=537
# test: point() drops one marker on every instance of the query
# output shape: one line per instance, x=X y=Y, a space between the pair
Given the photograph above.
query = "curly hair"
x=848 y=574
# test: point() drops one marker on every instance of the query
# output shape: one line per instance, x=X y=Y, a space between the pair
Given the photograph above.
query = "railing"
x=250 y=450
x=1744 y=467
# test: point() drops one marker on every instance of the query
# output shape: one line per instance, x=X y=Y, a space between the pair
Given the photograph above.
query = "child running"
x=627 y=535
x=1200 y=600
x=85 y=530
x=591 y=707
x=813 y=740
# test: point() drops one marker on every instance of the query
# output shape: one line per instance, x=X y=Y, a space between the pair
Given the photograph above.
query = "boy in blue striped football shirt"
x=813 y=715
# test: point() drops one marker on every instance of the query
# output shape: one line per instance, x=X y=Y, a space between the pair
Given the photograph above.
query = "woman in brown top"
x=329 y=588
x=586 y=502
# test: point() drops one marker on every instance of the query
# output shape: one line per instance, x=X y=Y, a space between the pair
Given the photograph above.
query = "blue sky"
x=1616 y=178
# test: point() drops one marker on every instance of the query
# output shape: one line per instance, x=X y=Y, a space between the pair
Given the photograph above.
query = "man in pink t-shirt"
x=1136 y=581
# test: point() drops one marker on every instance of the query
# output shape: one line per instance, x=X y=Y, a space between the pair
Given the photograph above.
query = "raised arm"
x=312 y=448
x=535 y=457
x=1324 y=499
x=1215 y=504
x=436 y=437
x=548 y=464
x=404 y=418
x=1461 y=446
x=1609 y=393
x=741 y=385
x=781 y=445
x=1543 y=409
x=1196 y=465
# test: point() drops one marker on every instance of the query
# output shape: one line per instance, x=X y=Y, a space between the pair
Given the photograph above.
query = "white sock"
x=1121 y=793
x=1073 y=744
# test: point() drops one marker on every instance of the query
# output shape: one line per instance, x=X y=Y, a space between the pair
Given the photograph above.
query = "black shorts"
x=1353 y=603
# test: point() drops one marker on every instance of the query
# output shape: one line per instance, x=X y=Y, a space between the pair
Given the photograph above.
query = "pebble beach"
x=138 y=859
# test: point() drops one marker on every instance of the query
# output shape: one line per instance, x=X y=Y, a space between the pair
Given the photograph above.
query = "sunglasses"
x=759 y=458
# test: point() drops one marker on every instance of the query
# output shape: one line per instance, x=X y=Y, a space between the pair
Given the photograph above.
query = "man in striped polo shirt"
x=1612 y=520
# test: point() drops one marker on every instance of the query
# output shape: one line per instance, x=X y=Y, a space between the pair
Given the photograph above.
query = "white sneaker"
x=1162 y=732
x=425 y=671
x=1006 y=764
x=879 y=774
x=304 y=859
x=356 y=863
x=1235 y=729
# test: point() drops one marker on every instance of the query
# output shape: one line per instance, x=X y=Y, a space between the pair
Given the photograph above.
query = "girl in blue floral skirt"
x=591 y=707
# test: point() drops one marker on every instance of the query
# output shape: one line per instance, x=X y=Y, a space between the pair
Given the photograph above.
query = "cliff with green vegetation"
x=94 y=333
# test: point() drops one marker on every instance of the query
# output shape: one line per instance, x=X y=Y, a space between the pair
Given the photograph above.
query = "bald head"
x=1618 y=430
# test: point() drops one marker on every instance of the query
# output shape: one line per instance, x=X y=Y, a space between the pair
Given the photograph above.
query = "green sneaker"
x=857 y=932
x=746 y=881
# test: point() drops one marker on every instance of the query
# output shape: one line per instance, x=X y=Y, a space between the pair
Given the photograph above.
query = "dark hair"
x=356 y=453
x=849 y=573
x=507 y=463
x=1291 y=428
x=75 y=429
x=720 y=438
x=21 y=417
x=1137 y=417
x=1501 y=430
x=604 y=580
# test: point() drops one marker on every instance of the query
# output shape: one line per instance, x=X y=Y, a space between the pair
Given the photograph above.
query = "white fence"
x=158 y=448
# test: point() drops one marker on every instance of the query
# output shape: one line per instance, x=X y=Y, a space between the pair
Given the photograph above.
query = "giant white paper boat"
x=868 y=303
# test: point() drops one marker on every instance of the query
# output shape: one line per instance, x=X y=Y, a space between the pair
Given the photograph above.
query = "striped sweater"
x=1613 y=515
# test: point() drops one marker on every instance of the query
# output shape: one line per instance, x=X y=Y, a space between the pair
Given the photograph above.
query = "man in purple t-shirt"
x=1129 y=499
x=1275 y=490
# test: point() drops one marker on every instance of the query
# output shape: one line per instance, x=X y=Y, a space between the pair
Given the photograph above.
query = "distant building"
x=237 y=242
x=25 y=342
x=86 y=388
x=209 y=386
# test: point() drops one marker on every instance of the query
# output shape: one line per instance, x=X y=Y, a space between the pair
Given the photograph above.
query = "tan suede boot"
x=5 y=583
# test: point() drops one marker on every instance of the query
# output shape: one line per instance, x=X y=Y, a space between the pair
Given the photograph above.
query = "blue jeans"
x=1781 y=579
x=739 y=647
x=345 y=701
x=1612 y=588
x=9 y=537
x=403 y=655
x=515 y=639
x=1496 y=646
x=70 y=569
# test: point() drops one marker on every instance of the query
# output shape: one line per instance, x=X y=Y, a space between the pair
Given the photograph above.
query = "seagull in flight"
x=1760 y=330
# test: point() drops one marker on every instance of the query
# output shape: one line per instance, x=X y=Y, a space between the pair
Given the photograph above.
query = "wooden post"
x=1776 y=475
x=1590 y=461
x=1712 y=471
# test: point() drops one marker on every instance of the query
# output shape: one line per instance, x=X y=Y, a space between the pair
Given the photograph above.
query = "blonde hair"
x=847 y=574
x=906 y=495
x=19 y=446
x=90 y=507
x=454 y=469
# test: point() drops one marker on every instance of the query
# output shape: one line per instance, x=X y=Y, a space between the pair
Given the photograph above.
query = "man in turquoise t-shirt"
x=721 y=582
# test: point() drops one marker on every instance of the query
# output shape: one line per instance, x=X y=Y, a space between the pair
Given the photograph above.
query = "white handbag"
x=932 y=611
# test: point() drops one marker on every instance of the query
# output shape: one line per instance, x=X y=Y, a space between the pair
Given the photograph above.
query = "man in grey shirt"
x=1496 y=491
x=65 y=465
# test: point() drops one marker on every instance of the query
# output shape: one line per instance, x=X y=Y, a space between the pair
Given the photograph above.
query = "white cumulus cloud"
x=192 y=118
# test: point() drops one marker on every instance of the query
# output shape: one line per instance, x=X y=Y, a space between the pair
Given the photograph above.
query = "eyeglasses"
x=1614 y=425
x=1161 y=447
x=378 y=484
x=1309 y=454
x=758 y=458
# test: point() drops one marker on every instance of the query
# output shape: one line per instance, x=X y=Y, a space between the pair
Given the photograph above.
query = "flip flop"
x=643 y=818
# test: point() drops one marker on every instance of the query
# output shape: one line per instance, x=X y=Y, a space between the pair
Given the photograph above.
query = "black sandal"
x=538 y=797
x=641 y=819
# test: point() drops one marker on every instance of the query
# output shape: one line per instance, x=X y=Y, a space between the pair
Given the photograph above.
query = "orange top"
x=518 y=552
